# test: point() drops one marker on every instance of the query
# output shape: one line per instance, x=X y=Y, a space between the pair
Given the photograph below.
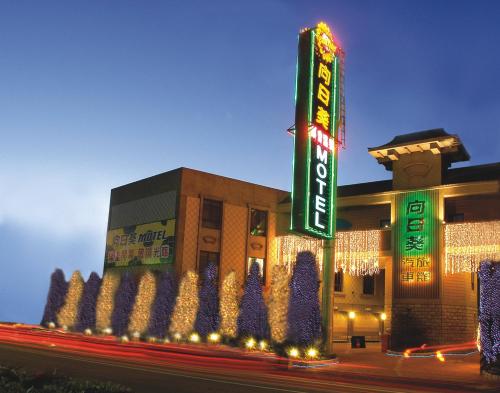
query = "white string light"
x=357 y=252
x=467 y=244
x=290 y=245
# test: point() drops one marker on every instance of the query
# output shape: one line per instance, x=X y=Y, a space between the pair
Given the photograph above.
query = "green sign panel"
x=317 y=122
x=416 y=241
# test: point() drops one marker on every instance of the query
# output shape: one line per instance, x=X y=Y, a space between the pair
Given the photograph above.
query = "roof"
x=436 y=140
x=468 y=174
x=472 y=173
x=413 y=137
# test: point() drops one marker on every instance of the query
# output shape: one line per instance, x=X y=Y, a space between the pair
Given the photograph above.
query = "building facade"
x=406 y=249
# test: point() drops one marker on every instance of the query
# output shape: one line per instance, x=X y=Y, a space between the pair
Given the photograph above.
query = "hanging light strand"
x=467 y=244
x=289 y=246
x=357 y=252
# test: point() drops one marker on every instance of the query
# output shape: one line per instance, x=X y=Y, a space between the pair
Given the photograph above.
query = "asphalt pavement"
x=168 y=368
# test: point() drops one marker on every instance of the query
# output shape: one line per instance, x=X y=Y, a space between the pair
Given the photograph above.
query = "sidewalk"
x=371 y=361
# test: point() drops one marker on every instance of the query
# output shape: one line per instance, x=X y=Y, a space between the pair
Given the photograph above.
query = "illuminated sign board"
x=316 y=125
x=416 y=244
x=145 y=244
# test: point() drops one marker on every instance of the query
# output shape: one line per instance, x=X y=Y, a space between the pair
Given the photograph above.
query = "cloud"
x=62 y=203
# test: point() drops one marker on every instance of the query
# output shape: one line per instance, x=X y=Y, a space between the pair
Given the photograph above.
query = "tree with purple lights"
x=489 y=315
x=124 y=302
x=252 y=320
x=304 y=317
x=208 y=318
x=55 y=298
x=163 y=305
x=86 y=312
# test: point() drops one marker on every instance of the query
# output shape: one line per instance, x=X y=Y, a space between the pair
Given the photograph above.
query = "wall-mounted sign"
x=316 y=126
x=145 y=244
x=416 y=242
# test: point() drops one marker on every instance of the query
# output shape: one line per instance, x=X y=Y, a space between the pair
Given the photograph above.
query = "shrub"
x=124 y=301
x=86 y=313
x=489 y=315
x=162 y=308
x=229 y=306
x=17 y=380
x=106 y=301
x=55 y=297
x=208 y=318
x=186 y=305
x=141 y=312
x=67 y=316
x=252 y=319
x=278 y=304
x=304 y=317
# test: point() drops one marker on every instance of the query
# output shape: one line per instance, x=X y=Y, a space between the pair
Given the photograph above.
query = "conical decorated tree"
x=186 y=305
x=106 y=301
x=86 y=312
x=229 y=306
x=489 y=314
x=278 y=303
x=141 y=312
x=208 y=318
x=163 y=306
x=304 y=317
x=67 y=316
x=55 y=297
x=252 y=320
x=124 y=301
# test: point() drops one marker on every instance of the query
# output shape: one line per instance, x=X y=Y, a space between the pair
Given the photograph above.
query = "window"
x=457 y=217
x=385 y=223
x=339 y=281
x=212 y=214
x=258 y=222
x=207 y=257
x=368 y=285
x=262 y=267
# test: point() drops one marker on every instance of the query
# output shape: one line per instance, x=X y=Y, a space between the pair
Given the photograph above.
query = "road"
x=158 y=368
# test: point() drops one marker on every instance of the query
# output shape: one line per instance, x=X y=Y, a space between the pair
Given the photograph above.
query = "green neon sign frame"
x=304 y=196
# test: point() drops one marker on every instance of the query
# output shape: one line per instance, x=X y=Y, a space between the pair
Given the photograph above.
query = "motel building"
x=406 y=250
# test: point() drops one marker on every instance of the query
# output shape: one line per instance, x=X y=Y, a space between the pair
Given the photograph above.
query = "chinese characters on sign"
x=416 y=240
x=151 y=243
x=415 y=267
x=316 y=121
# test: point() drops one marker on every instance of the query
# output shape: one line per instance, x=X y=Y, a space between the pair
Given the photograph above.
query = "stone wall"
x=431 y=324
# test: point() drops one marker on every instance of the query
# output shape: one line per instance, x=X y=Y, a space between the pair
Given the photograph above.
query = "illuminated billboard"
x=146 y=244
x=317 y=121
x=416 y=241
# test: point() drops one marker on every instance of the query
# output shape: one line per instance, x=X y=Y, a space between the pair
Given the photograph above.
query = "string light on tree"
x=278 y=303
x=141 y=312
x=105 y=302
x=186 y=305
x=67 y=316
x=229 y=308
x=489 y=313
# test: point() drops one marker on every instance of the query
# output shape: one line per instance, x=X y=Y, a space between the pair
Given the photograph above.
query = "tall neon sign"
x=317 y=121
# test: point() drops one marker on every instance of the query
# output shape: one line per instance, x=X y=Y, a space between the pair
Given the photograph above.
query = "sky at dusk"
x=96 y=94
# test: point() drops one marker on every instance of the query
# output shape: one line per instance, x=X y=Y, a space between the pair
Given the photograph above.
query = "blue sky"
x=96 y=94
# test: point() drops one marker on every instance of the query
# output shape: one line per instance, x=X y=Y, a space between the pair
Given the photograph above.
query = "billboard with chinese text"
x=317 y=121
x=145 y=244
x=416 y=245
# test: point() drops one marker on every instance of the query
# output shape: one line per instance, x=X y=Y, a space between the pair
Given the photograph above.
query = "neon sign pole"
x=317 y=122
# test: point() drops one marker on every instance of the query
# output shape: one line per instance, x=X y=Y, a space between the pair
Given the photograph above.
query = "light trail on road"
x=207 y=362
